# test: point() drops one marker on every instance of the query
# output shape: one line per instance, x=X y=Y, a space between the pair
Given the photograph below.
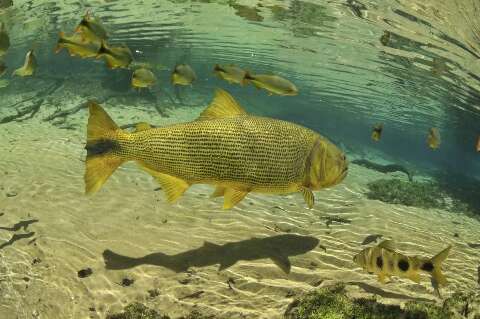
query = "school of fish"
x=236 y=152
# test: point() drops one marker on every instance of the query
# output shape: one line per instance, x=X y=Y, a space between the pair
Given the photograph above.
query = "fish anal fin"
x=223 y=105
x=219 y=191
x=414 y=276
x=382 y=278
x=308 y=196
x=174 y=187
x=387 y=245
x=142 y=126
x=232 y=197
x=282 y=262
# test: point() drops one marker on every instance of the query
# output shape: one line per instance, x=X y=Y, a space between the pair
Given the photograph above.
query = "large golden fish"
x=225 y=147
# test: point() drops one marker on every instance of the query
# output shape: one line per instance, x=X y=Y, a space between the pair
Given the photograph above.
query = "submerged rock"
x=332 y=302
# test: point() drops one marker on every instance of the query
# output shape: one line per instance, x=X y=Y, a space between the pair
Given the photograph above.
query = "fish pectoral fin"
x=232 y=197
x=414 y=276
x=282 y=262
x=173 y=186
x=387 y=245
x=142 y=126
x=223 y=105
x=219 y=191
x=308 y=196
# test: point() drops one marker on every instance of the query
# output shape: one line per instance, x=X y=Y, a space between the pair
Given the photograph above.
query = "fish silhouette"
x=277 y=248
x=21 y=224
x=16 y=237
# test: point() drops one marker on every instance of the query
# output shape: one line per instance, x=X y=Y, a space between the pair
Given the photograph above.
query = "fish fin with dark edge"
x=232 y=197
x=282 y=262
x=436 y=262
x=142 y=126
x=223 y=105
x=308 y=196
x=226 y=264
x=219 y=191
x=100 y=162
x=387 y=245
x=174 y=187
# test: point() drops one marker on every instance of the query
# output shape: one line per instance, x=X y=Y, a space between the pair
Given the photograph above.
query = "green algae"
x=333 y=303
x=137 y=311
x=418 y=194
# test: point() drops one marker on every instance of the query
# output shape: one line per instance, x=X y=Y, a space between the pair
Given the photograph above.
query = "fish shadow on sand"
x=21 y=224
x=16 y=237
x=277 y=248
x=386 y=294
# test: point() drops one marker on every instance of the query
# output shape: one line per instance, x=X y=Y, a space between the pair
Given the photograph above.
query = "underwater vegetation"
x=139 y=311
x=332 y=302
x=419 y=194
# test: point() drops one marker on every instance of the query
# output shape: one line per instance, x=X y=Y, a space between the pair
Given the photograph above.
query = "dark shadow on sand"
x=385 y=294
x=277 y=248
x=16 y=237
x=22 y=224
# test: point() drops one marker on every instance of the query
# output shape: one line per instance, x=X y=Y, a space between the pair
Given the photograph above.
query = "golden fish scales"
x=225 y=146
x=255 y=153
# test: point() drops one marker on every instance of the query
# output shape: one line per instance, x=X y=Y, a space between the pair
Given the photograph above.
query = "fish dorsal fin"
x=282 y=262
x=223 y=105
x=387 y=244
x=142 y=126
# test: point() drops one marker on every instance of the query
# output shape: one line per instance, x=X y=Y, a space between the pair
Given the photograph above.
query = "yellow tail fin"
x=434 y=266
x=102 y=158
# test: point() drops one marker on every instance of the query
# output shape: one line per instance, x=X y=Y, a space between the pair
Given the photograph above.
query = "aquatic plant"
x=332 y=302
x=425 y=195
x=418 y=194
x=137 y=311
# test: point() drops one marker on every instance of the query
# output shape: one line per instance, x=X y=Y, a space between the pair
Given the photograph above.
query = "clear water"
x=426 y=74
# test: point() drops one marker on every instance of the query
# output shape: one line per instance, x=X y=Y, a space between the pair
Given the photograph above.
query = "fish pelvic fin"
x=223 y=105
x=434 y=266
x=308 y=196
x=102 y=143
x=232 y=197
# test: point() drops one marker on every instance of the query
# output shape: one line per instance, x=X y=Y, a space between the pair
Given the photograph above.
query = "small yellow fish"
x=143 y=78
x=4 y=40
x=226 y=147
x=76 y=46
x=115 y=57
x=274 y=84
x=377 y=132
x=433 y=139
x=230 y=73
x=29 y=66
x=91 y=29
x=183 y=74
x=385 y=262
x=478 y=144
